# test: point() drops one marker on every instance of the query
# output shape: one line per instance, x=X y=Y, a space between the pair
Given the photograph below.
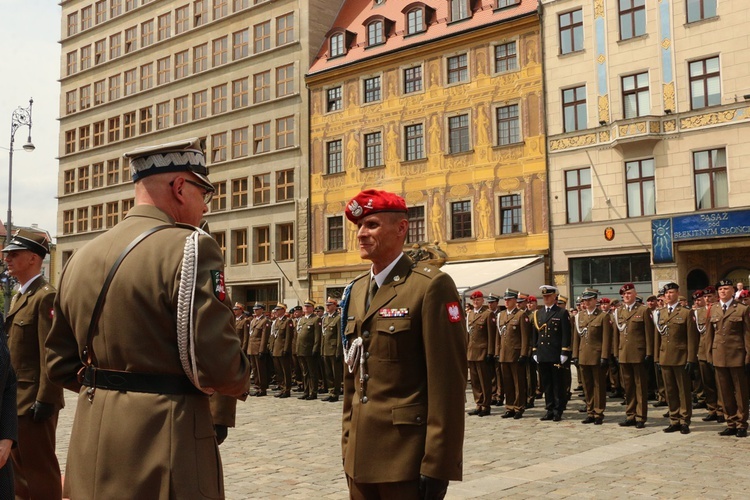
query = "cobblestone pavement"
x=290 y=449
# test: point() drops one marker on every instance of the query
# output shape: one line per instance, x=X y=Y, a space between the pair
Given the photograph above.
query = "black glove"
x=690 y=368
x=647 y=360
x=747 y=370
x=603 y=362
x=614 y=362
x=489 y=359
x=284 y=353
x=316 y=354
x=574 y=361
x=431 y=488
x=40 y=411
x=221 y=433
x=522 y=360
x=339 y=358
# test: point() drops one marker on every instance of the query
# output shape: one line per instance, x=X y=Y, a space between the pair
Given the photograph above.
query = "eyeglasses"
x=208 y=193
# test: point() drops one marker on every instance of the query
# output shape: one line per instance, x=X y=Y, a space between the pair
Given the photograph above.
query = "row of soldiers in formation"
x=701 y=351
x=301 y=348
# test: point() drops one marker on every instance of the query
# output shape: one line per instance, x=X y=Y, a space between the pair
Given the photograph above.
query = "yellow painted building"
x=442 y=103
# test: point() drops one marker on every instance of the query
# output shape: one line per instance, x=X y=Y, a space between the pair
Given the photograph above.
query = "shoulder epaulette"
x=425 y=270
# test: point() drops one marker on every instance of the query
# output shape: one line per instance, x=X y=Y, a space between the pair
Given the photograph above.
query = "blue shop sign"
x=664 y=232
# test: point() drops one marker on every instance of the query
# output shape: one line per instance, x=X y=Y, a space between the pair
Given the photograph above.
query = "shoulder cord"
x=661 y=329
x=352 y=353
x=581 y=332
x=624 y=328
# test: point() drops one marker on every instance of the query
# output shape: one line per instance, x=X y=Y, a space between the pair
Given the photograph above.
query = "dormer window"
x=375 y=33
x=414 y=21
x=459 y=9
x=337 y=45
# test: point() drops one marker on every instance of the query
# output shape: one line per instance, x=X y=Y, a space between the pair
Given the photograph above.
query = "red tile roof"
x=354 y=13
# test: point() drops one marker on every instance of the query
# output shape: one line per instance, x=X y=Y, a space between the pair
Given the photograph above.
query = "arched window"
x=375 y=33
x=415 y=21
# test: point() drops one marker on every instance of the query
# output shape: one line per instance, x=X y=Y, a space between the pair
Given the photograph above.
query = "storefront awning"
x=525 y=274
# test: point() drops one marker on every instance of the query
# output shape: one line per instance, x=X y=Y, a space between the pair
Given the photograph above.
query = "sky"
x=30 y=68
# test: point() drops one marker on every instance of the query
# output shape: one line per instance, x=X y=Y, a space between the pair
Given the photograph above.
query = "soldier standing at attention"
x=240 y=324
x=154 y=360
x=308 y=349
x=403 y=425
x=332 y=350
x=633 y=342
x=513 y=346
x=257 y=347
x=532 y=370
x=498 y=396
x=707 y=372
x=728 y=338
x=550 y=327
x=35 y=466
x=677 y=347
x=481 y=353
x=282 y=330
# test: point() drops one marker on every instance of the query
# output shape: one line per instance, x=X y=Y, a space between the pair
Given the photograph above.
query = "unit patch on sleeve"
x=220 y=290
x=454 y=312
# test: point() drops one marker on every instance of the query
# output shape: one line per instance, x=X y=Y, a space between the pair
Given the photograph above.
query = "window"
x=337 y=45
x=412 y=79
x=100 y=89
x=262 y=86
x=82 y=220
x=414 y=21
x=697 y=10
x=97 y=175
x=459 y=9
x=181 y=64
x=70 y=141
x=162 y=71
x=127 y=175
x=68 y=221
x=99 y=51
x=262 y=247
x=70 y=102
x=373 y=149
x=505 y=57
x=239 y=93
x=639 y=178
x=414 y=142
x=218 y=147
x=164 y=26
x=239 y=142
x=711 y=183
x=113 y=172
x=416 y=232
x=69 y=182
x=219 y=201
x=285 y=241
x=285 y=29
x=146 y=120
x=72 y=62
x=261 y=37
x=285 y=80
x=200 y=13
x=72 y=23
x=112 y=214
x=128 y=125
x=507 y=3
x=130 y=81
x=115 y=45
x=85 y=93
x=181 y=110
x=261 y=137
x=334 y=101
x=131 y=4
x=284 y=185
x=571 y=31
x=113 y=129
x=200 y=58
x=458 y=70
x=200 y=104
x=219 y=47
x=336 y=233
x=84 y=138
x=181 y=19
x=147 y=76
x=705 y=83
x=372 y=89
x=574 y=109
x=219 y=99
x=86 y=18
x=510 y=214
x=261 y=189
x=458 y=133
x=508 y=125
x=162 y=115
x=333 y=157
x=578 y=195
x=126 y=206
x=220 y=8
x=239 y=246
x=239 y=192
x=85 y=57
x=131 y=39
x=147 y=33
x=285 y=132
x=241 y=4
x=97 y=217
x=240 y=44
x=115 y=8
x=375 y=33
x=114 y=87
x=611 y=272
x=635 y=95
x=632 y=18
x=100 y=8
x=460 y=219
x=99 y=133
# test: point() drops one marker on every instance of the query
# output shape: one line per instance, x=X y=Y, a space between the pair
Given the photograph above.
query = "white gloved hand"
x=535 y=360
x=563 y=359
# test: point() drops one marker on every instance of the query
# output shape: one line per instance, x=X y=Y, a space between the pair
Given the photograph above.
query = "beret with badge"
x=34 y=241
x=627 y=286
x=373 y=201
x=725 y=282
x=476 y=295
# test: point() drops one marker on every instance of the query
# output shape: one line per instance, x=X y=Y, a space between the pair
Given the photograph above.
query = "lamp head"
x=29 y=146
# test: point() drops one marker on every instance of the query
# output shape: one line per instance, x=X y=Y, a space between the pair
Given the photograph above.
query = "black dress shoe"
x=333 y=399
x=640 y=425
x=284 y=395
x=741 y=433
x=557 y=418
x=278 y=395
x=547 y=416
x=475 y=411
x=311 y=397
x=483 y=413
x=627 y=423
x=322 y=391
x=711 y=417
x=304 y=396
x=599 y=421
x=684 y=429
x=518 y=415
x=672 y=428
x=701 y=404
x=530 y=404
x=260 y=393
x=326 y=398
x=508 y=414
x=588 y=420
x=623 y=402
x=493 y=402
x=666 y=415
x=660 y=403
x=729 y=431
x=720 y=419
x=582 y=410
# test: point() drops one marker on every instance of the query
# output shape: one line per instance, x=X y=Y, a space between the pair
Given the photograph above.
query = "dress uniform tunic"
x=551 y=339
x=282 y=330
x=591 y=346
x=403 y=409
x=257 y=349
x=707 y=371
x=308 y=350
x=480 y=352
x=633 y=340
x=332 y=353
x=513 y=348
x=137 y=444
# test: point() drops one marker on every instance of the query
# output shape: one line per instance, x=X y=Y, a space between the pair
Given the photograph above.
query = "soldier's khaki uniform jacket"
x=513 y=335
x=148 y=445
x=240 y=327
x=592 y=337
x=728 y=335
x=482 y=332
x=282 y=331
x=331 y=325
x=633 y=335
x=308 y=335
x=27 y=325
x=407 y=417
x=701 y=320
x=258 y=335
x=676 y=337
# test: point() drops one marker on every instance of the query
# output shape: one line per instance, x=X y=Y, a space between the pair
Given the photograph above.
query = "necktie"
x=670 y=309
x=373 y=291
x=724 y=306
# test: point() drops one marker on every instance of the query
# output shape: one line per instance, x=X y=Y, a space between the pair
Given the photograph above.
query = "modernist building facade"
x=648 y=105
x=145 y=72
x=441 y=102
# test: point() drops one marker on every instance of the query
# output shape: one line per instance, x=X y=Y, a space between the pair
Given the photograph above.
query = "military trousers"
x=554 y=387
x=594 y=381
x=710 y=393
x=35 y=466
x=733 y=387
x=309 y=375
x=498 y=391
x=334 y=370
x=481 y=383
x=679 y=391
x=532 y=381
x=401 y=490
x=283 y=366
x=258 y=362
x=514 y=383
x=635 y=383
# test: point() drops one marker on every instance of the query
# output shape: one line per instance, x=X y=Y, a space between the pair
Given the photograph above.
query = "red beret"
x=744 y=293
x=476 y=295
x=627 y=286
x=530 y=298
x=604 y=300
x=709 y=290
x=697 y=294
x=371 y=202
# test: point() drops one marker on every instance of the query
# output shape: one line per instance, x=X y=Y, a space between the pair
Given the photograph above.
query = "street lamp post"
x=21 y=118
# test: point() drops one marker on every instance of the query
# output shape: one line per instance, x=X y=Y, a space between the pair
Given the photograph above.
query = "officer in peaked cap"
x=259 y=332
x=481 y=353
x=280 y=344
x=513 y=350
x=38 y=402
x=332 y=350
x=149 y=377
x=308 y=349
x=497 y=377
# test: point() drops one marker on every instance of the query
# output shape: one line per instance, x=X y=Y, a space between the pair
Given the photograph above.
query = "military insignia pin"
x=355 y=209
x=220 y=290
